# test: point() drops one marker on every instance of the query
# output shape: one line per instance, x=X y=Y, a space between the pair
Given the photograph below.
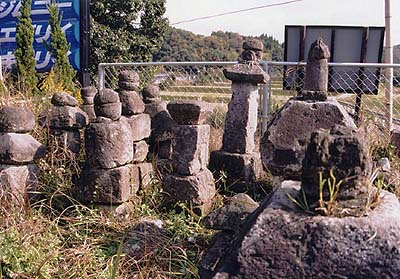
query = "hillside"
x=182 y=45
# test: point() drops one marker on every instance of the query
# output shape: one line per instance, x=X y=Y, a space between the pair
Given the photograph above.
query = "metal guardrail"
x=205 y=80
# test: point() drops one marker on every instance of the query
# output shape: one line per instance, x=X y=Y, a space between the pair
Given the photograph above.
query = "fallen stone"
x=281 y=241
x=111 y=110
x=19 y=149
x=132 y=103
x=87 y=94
x=18 y=181
x=250 y=73
x=241 y=119
x=288 y=133
x=61 y=99
x=231 y=216
x=106 y=96
x=67 y=140
x=146 y=173
x=89 y=110
x=109 y=144
x=189 y=112
x=67 y=118
x=140 y=126
x=130 y=76
x=16 y=120
x=190 y=146
x=151 y=93
x=343 y=151
x=140 y=150
x=197 y=190
x=111 y=186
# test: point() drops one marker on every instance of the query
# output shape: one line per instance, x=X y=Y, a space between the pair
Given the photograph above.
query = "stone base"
x=111 y=186
x=17 y=181
x=284 y=144
x=242 y=170
x=282 y=241
x=196 y=190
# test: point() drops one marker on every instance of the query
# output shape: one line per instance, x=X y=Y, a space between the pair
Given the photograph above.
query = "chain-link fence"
x=364 y=89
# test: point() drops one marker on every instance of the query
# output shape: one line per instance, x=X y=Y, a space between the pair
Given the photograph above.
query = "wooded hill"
x=182 y=45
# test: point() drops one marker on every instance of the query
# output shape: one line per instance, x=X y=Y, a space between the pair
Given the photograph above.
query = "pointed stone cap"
x=318 y=50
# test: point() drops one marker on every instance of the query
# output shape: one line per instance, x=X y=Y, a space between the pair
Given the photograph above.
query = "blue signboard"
x=70 y=24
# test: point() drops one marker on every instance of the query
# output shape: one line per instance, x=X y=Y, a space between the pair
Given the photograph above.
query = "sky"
x=272 y=20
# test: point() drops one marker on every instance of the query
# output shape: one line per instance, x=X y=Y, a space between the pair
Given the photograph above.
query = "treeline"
x=182 y=45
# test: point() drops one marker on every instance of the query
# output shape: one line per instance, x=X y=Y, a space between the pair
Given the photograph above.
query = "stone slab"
x=246 y=73
x=16 y=120
x=19 y=149
x=189 y=112
x=67 y=118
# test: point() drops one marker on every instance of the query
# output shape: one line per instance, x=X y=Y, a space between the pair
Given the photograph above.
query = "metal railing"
x=348 y=83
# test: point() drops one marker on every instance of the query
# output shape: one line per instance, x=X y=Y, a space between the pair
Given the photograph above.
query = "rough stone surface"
x=63 y=99
x=198 y=190
x=127 y=85
x=89 y=110
x=70 y=140
x=140 y=150
x=246 y=167
x=115 y=185
x=87 y=94
x=250 y=73
x=140 y=126
x=106 y=96
x=151 y=93
x=241 y=119
x=130 y=76
x=16 y=120
x=316 y=78
x=253 y=44
x=284 y=143
x=153 y=108
x=67 y=118
x=231 y=216
x=190 y=146
x=132 y=103
x=17 y=181
x=280 y=241
x=19 y=149
x=189 y=112
x=112 y=110
x=146 y=173
x=163 y=126
x=313 y=95
x=345 y=152
x=108 y=144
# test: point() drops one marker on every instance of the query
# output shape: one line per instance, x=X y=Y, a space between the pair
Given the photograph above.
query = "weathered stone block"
x=115 y=185
x=140 y=126
x=19 y=148
x=16 y=120
x=87 y=94
x=241 y=119
x=189 y=112
x=128 y=85
x=63 y=99
x=89 y=110
x=108 y=144
x=18 y=180
x=106 y=96
x=132 y=103
x=199 y=189
x=284 y=143
x=146 y=173
x=67 y=118
x=111 y=110
x=140 y=150
x=246 y=73
x=70 y=140
x=190 y=146
x=153 y=108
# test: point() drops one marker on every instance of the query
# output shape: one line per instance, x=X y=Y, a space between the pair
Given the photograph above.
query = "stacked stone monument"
x=288 y=133
x=191 y=181
x=87 y=95
x=65 y=120
x=238 y=157
x=18 y=151
x=162 y=124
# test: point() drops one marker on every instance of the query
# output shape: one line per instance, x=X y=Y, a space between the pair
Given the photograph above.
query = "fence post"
x=101 y=77
x=265 y=101
x=389 y=100
x=1 y=69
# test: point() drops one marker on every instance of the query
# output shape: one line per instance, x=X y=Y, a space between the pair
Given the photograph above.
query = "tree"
x=64 y=74
x=125 y=30
x=24 y=53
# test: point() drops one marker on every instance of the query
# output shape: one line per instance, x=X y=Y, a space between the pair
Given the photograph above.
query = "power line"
x=237 y=11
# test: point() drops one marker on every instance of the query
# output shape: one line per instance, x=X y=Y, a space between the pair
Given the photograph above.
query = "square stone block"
x=140 y=126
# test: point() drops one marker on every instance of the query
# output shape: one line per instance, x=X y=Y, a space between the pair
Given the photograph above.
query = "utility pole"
x=388 y=71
